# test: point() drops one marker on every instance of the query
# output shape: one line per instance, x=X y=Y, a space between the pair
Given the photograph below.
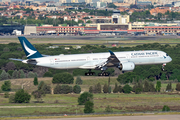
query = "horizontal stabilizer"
x=16 y=59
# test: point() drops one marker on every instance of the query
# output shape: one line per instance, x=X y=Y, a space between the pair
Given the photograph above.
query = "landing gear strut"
x=89 y=73
x=163 y=66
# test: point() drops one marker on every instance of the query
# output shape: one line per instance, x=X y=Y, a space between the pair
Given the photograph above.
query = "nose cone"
x=169 y=59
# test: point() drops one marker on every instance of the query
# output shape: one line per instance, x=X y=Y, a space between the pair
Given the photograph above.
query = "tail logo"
x=31 y=52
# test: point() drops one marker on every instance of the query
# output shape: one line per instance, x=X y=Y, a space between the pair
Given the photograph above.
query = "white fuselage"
x=91 y=60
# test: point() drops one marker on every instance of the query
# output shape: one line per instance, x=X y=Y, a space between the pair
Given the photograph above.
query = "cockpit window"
x=167 y=55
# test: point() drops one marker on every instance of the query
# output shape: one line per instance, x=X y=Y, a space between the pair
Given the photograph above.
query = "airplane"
x=125 y=61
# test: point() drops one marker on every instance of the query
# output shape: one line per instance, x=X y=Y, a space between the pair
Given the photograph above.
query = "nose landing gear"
x=163 y=66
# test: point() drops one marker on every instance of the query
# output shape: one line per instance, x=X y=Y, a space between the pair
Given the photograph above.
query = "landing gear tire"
x=103 y=74
x=90 y=74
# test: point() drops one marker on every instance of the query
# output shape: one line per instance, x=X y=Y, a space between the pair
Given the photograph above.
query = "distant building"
x=74 y=1
x=62 y=1
x=108 y=1
x=88 y=1
x=73 y=4
x=98 y=4
x=176 y=4
x=6 y=1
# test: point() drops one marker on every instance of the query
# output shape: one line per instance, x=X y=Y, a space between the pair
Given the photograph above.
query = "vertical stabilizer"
x=29 y=49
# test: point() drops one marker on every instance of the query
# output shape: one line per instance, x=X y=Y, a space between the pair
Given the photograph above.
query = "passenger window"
x=167 y=55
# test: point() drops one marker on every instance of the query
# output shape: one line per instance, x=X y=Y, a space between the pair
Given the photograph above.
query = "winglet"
x=111 y=52
x=29 y=49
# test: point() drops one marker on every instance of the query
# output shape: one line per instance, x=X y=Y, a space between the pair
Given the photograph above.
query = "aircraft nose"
x=170 y=59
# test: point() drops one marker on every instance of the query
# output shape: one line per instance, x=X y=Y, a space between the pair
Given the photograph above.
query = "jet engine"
x=126 y=66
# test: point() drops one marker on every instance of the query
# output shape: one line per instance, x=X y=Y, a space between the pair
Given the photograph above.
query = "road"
x=148 y=117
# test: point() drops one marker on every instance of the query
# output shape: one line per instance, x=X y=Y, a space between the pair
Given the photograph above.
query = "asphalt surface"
x=123 y=37
x=148 y=117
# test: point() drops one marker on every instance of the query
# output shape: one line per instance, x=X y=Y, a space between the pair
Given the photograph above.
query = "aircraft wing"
x=112 y=60
x=16 y=59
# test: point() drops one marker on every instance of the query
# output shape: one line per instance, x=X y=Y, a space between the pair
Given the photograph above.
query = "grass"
x=58 y=40
x=67 y=103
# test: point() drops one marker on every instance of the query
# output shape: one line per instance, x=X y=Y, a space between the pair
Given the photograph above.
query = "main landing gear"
x=163 y=66
x=103 y=74
x=89 y=73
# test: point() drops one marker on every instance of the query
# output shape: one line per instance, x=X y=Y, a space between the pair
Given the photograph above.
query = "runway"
x=148 y=117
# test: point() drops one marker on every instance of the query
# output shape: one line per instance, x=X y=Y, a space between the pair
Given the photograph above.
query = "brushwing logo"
x=31 y=52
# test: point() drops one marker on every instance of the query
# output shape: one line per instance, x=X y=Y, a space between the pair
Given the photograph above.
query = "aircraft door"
x=51 y=61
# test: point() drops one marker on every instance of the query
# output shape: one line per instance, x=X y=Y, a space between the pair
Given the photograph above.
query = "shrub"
x=84 y=97
x=31 y=75
x=115 y=89
x=91 y=89
x=6 y=86
x=3 y=75
x=98 y=88
x=22 y=75
x=79 y=81
x=12 y=98
x=48 y=74
x=105 y=88
x=108 y=109
x=35 y=81
x=22 y=97
x=63 y=78
x=46 y=89
x=77 y=89
x=158 y=86
x=88 y=108
x=120 y=88
x=38 y=94
x=138 y=90
x=64 y=89
x=166 y=108
x=178 y=86
x=10 y=72
x=6 y=95
x=169 y=87
x=127 y=89
x=15 y=74
x=109 y=89
x=41 y=84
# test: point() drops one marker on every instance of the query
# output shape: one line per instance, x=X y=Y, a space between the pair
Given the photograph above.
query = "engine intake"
x=126 y=66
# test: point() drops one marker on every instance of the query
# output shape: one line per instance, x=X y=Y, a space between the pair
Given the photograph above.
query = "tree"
x=77 y=89
x=105 y=88
x=15 y=74
x=63 y=78
x=22 y=97
x=169 y=87
x=41 y=84
x=6 y=86
x=64 y=89
x=178 y=86
x=163 y=76
x=35 y=81
x=120 y=88
x=138 y=90
x=109 y=89
x=158 y=86
x=12 y=98
x=115 y=89
x=84 y=97
x=38 y=94
x=79 y=81
x=22 y=75
x=31 y=75
x=98 y=89
x=127 y=89
x=48 y=74
x=166 y=108
x=146 y=86
x=91 y=89
x=3 y=75
x=88 y=108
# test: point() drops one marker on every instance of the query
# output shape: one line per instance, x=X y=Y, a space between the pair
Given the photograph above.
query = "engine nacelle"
x=126 y=66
